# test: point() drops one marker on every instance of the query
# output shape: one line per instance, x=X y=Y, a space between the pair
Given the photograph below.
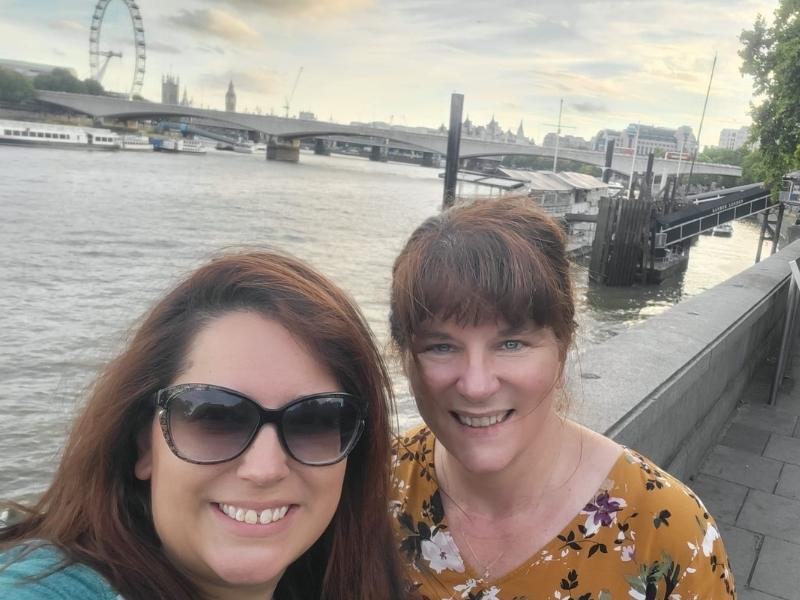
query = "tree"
x=61 y=80
x=771 y=55
x=15 y=88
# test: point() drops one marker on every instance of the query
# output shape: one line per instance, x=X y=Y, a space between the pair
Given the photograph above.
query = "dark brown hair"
x=98 y=513
x=490 y=259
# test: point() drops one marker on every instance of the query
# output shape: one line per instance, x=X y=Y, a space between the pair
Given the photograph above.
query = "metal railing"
x=789 y=329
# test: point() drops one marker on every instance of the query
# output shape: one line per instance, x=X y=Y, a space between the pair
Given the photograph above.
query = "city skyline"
x=614 y=63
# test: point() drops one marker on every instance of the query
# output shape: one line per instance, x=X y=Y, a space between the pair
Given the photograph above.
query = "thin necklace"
x=485 y=569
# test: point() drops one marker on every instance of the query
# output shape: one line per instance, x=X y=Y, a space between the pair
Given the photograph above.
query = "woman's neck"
x=547 y=463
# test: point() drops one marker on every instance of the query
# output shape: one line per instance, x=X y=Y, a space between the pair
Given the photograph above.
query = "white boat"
x=24 y=133
x=188 y=146
x=136 y=142
x=726 y=230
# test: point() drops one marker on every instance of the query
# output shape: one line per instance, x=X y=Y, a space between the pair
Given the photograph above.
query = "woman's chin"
x=236 y=572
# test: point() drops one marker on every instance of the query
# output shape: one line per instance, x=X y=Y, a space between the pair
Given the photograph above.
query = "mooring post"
x=453 y=148
x=609 y=158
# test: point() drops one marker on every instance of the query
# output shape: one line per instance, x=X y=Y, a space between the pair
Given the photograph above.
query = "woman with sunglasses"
x=237 y=449
x=498 y=496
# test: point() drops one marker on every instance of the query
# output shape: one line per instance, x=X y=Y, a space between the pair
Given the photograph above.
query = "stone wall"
x=668 y=386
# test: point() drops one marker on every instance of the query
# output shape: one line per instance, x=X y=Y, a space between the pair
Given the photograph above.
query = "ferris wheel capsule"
x=97 y=69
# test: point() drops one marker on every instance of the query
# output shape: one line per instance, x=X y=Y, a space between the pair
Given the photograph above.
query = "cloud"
x=68 y=25
x=218 y=23
x=289 y=8
x=589 y=107
x=163 y=48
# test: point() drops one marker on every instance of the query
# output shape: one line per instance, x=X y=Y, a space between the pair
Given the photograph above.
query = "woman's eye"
x=512 y=345
x=440 y=348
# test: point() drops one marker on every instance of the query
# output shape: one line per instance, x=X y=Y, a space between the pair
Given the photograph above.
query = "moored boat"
x=189 y=146
x=24 y=133
x=136 y=142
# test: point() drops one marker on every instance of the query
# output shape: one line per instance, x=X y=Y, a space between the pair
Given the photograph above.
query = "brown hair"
x=98 y=513
x=502 y=258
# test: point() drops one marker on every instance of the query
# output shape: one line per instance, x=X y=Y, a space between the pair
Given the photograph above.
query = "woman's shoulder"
x=38 y=573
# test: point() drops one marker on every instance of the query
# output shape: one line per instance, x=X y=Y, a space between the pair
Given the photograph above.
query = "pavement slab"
x=776 y=571
x=742 y=467
x=773 y=516
x=767 y=418
x=746 y=438
x=743 y=593
x=789 y=483
x=742 y=548
x=723 y=499
x=785 y=448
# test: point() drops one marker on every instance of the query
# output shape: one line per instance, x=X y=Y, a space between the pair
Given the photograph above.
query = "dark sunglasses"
x=208 y=424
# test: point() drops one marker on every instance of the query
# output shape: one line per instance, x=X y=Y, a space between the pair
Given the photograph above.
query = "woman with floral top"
x=498 y=496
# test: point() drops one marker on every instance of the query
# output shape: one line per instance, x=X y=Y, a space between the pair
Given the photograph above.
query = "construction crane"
x=288 y=99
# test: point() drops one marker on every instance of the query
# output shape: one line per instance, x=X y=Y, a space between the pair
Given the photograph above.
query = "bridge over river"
x=284 y=134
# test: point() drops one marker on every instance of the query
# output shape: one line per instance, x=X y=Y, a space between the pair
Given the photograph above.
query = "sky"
x=398 y=61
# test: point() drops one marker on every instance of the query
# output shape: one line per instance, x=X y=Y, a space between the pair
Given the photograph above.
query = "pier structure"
x=284 y=131
x=690 y=388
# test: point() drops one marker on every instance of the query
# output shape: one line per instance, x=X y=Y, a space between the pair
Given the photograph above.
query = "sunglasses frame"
x=266 y=416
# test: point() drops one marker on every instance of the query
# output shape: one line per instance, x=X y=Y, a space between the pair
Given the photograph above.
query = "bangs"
x=477 y=279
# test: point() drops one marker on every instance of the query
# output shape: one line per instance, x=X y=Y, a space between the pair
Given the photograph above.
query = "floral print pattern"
x=642 y=536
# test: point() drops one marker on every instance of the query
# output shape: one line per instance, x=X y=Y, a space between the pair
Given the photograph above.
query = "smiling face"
x=235 y=527
x=487 y=390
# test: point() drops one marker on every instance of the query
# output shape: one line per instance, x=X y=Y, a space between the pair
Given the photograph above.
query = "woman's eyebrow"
x=527 y=328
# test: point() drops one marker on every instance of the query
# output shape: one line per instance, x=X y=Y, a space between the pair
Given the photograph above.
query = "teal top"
x=75 y=582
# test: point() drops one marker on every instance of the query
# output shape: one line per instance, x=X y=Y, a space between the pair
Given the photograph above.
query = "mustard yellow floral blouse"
x=642 y=536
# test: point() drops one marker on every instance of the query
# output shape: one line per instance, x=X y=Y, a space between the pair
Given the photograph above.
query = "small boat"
x=188 y=146
x=725 y=230
x=136 y=143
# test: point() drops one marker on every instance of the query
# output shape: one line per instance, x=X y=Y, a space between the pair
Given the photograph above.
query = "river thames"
x=90 y=239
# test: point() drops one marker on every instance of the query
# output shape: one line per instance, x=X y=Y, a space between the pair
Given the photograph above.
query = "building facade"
x=170 y=87
x=648 y=138
x=733 y=139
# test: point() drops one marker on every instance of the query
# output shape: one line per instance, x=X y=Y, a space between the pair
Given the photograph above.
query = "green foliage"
x=545 y=163
x=723 y=156
x=771 y=55
x=61 y=80
x=14 y=88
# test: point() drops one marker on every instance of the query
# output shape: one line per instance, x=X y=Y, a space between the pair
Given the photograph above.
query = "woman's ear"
x=143 y=469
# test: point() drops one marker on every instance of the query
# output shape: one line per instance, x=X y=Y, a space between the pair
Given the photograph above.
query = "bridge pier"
x=283 y=150
x=430 y=159
x=379 y=153
x=322 y=147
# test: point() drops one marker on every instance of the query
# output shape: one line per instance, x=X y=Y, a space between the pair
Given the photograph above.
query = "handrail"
x=789 y=326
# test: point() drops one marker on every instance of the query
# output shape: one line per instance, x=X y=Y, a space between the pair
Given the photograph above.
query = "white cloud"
x=217 y=23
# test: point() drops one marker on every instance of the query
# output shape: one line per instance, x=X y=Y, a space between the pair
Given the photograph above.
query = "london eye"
x=99 y=59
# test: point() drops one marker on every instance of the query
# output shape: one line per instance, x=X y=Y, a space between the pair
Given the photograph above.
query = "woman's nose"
x=478 y=380
x=265 y=461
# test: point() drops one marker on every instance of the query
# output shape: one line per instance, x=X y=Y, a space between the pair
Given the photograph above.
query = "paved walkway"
x=750 y=482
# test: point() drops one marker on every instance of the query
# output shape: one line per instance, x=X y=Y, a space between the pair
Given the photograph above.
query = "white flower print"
x=441 y=553
x=708 y=541
x=466 y=588
x=491 y=594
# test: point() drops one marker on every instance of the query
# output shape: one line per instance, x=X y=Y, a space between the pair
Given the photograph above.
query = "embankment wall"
x=668 y=386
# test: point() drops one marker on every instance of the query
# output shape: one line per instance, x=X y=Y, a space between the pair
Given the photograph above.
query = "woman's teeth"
x=248 y=515
x=483 y=421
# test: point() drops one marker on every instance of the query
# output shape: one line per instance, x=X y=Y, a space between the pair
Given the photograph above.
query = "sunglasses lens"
x=322 y=430
x=210 y=425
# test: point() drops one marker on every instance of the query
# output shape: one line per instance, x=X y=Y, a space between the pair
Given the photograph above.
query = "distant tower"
x=169 y=89
x=230 y=99
x=521 y=134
